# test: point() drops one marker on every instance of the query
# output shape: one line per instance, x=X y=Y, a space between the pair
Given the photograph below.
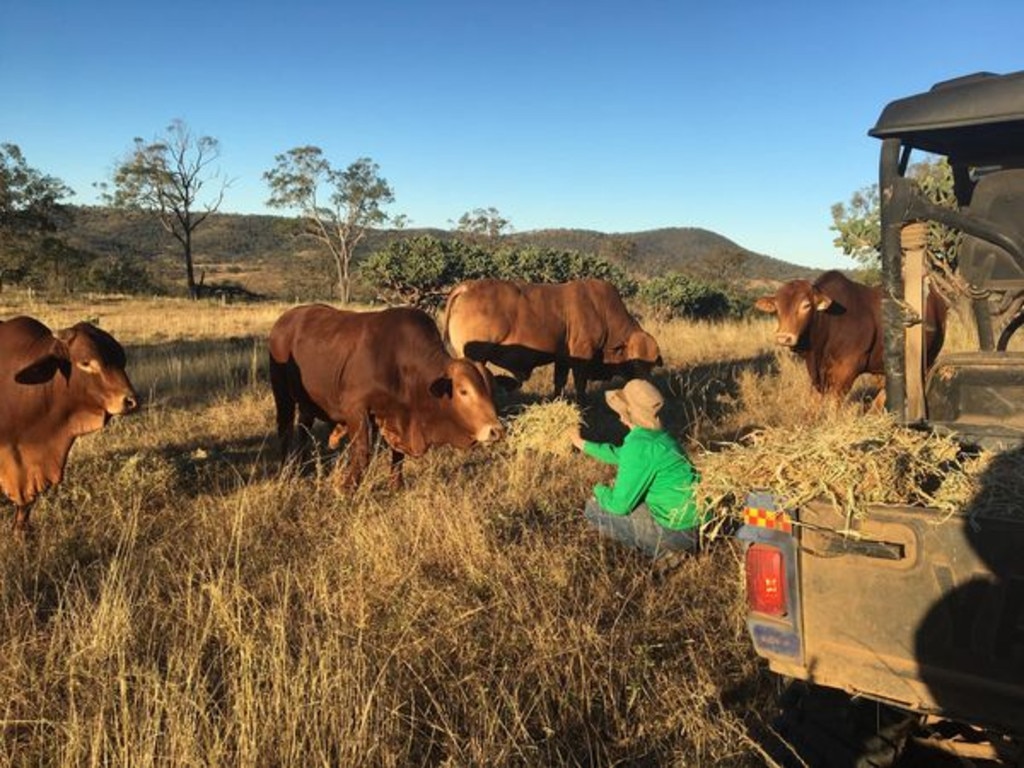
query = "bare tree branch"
x=168 y=177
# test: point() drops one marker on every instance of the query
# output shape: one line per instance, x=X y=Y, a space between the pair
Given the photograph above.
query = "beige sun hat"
x=639 y=402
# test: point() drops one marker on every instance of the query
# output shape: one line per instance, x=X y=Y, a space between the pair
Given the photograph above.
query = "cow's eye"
x=805 y=306
x=464 y=392
x=89 y=366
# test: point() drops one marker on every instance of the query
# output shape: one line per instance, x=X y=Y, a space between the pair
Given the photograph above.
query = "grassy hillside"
x=264 y=253
x=692 y=250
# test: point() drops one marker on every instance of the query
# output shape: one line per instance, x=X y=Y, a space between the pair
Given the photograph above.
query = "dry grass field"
x=184 y=604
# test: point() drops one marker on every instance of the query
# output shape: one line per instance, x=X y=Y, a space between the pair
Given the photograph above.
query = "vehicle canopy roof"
x=976 y=119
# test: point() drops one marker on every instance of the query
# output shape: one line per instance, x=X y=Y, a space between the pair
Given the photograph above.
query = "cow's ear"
x=441 y=387
x=43 y=369
x=766 y=304
x=821 y=301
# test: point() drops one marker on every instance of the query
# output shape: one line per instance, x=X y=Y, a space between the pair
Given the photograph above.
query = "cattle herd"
x=392 y=369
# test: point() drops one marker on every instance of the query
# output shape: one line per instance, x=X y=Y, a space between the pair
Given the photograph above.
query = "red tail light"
x=766 y=580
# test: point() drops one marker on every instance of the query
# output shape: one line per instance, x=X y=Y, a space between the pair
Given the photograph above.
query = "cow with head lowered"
x=387 y=368
x=835 y=324
x=581 y=326
x=54 y=388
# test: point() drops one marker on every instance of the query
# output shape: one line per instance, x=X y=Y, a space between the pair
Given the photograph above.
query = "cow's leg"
x=817 y=373
x=337 y=435
x=561 y=377
x=284 y=405
x=22 y=525
x=397 y=459
x=580 y=379
x=840 y=380
x=878 y=402
x=358 y=429
x=307 y=415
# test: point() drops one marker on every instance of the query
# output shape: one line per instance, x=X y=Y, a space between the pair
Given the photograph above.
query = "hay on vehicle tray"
x=866 y=460
x=543 y=428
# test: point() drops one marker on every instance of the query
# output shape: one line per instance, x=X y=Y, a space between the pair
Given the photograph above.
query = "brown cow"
x=835 y=324
x=389 y=366
x=582 y=326
x=53 y=389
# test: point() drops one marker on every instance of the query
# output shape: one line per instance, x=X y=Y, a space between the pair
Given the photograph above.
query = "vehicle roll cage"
x=976 y=122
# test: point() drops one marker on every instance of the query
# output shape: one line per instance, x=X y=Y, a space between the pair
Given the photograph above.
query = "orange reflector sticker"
x=768 y=518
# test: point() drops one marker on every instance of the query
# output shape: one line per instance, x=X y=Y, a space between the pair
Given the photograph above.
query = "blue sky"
x=748 y=119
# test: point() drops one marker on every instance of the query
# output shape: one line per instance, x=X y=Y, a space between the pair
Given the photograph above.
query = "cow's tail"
x=448 y=306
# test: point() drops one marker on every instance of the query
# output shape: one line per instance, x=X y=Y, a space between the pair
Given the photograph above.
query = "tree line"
x=175 y=179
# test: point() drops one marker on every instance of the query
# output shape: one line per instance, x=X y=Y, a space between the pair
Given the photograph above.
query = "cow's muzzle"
x=785 y=339
x=127 y=403
x=490 y=433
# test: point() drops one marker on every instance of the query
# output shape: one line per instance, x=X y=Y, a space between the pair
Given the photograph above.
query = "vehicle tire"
x=826 y=728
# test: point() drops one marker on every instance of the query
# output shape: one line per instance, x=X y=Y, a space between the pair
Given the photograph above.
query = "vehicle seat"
x=998 y=197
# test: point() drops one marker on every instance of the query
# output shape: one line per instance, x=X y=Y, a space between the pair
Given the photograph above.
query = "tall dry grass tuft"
x=780 y=394
x=690 y=342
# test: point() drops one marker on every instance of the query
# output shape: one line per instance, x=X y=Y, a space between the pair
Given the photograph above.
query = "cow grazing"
x=581 y=326
x=835 y=324
x=389 y=367
x=53 y=389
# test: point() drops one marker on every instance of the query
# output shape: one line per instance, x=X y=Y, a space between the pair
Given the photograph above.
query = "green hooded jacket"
x=652 y=469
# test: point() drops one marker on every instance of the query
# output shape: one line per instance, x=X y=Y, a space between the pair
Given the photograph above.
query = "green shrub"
x=419 y=270
x=676 y=295
x=547 y=265
x=118 y=274
x=422 y=270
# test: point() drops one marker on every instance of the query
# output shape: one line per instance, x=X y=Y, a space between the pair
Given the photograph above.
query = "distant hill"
x=241 y=244
x=691 y=250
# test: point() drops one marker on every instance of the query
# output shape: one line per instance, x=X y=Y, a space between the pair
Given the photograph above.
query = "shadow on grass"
x=695 y=395
x=186 y=373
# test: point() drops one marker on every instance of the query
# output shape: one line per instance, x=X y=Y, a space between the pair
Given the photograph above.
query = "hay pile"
x=859 y=461
x=542 y=428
